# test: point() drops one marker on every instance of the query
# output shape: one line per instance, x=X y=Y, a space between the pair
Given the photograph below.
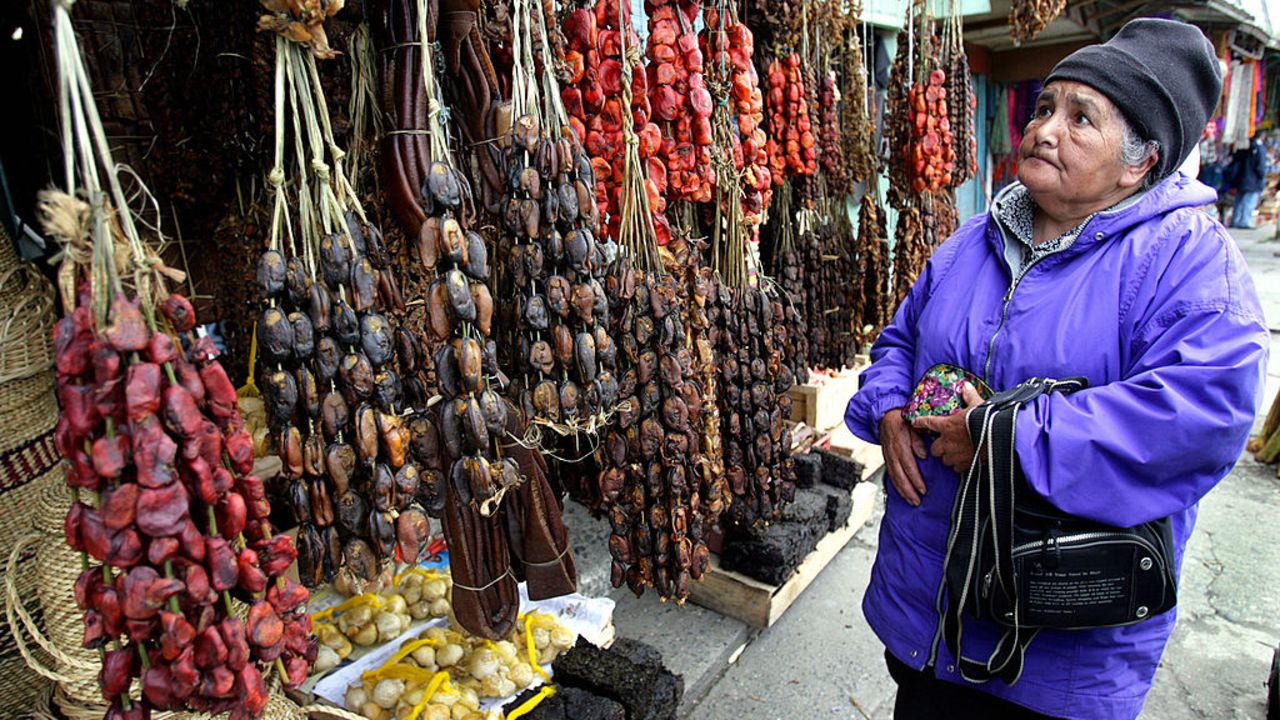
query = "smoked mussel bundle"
x=338 y=375
x=471 y=427
x=754 y=407
x=563 y=362
x=651 y=477
x=150 y=427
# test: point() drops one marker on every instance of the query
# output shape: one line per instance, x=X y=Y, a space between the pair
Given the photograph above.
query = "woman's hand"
x=901 y=446
x=953 y=446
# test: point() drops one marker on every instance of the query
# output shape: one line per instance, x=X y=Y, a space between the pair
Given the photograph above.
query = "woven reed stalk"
x=29 y=464
x=26 y=322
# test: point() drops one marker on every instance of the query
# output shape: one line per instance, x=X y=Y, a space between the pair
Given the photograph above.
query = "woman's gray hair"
x=1135 y=151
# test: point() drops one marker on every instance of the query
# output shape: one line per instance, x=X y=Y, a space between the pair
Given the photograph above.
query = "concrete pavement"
x=821 y=660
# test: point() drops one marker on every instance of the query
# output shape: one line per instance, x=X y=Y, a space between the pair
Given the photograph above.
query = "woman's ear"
x=1134 y=174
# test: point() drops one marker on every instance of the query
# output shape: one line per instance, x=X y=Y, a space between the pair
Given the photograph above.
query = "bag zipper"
x=1087 y=539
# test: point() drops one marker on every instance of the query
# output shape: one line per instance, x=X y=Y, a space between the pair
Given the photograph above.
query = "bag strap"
x=987 y=492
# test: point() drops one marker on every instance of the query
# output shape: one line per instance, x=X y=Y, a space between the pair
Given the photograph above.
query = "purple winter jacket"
x=1154 y=305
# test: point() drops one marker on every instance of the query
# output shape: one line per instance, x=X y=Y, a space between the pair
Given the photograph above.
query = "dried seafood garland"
x=922 y=225
x=793 y=239
x=328 y=356
x=729 y=47
x=652 y=461
x=593 y=99
x=831 y=155
x=961 y=101
x=922 y=154
x=681 y=103
x=1027 y=18
x=753 y=403
x=564 y=359
x=651 y=478
x=830 y=263
x=791 y=146
x=858 y=127
x=870 y=308
x=158 y=460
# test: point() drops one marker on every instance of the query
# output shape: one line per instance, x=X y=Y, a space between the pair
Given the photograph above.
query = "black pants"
x=922 y=696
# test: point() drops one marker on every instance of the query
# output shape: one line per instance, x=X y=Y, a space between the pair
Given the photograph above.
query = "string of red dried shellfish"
x=681 y=170
x=792 y=149
x=159 y=463
x=595 y=106
x=728 y=47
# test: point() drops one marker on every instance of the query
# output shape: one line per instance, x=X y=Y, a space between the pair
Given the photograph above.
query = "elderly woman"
x=1096 y=264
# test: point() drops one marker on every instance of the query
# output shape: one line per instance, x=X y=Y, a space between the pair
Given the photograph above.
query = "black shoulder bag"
x=1014 y=559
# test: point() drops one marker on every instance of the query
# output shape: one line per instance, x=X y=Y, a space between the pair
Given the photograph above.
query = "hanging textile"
x=1238 y=112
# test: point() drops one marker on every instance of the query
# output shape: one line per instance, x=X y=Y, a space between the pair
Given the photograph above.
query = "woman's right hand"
x=902 y=445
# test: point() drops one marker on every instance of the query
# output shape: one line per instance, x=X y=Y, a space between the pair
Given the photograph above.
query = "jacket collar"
x=1173 y=193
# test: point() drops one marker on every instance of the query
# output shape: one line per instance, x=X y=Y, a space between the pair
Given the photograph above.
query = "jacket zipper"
x=1008 y=296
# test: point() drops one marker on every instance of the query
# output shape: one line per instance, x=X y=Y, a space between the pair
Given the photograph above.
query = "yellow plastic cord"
x=404 y=651
x=533 y=651
x=250 y=389
x=528 y=705
x=441 y=679
x=350 y=603
x=415 y=570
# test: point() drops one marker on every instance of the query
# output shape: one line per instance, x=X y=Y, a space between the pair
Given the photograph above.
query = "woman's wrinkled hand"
x=902 y=446
x=953 y=446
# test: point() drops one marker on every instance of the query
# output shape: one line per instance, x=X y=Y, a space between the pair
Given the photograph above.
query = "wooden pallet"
x=759 y=604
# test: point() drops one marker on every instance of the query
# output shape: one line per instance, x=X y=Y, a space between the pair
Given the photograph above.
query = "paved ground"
x=821 y=660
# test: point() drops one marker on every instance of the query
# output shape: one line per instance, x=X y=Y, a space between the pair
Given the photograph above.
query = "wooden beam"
x=1033 y=63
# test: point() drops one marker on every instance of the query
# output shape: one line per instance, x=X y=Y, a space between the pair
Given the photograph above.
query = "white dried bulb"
x=425 y=656
x=326 y=658
x=413 y=697
x=436 y=633
x=366 y=635
x=521 y=674
x=506 y=688
x=562 y=637
x=434 y=589
x=372 y=711
x=482 y=664
x=411 y=591
x=439 y=607
x=387 y=692
x=355 y=698
x=420 y=610
x=448 y=655
x=395 y=604
x=388 y=625
x=359 y=615
x=436 y=712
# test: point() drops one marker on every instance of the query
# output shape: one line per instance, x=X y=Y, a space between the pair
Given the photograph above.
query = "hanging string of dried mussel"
x=650 y=479
x=563 y=359
x=327 y=358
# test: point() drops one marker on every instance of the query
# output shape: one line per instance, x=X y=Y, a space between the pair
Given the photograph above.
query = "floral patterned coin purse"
x=940 y=392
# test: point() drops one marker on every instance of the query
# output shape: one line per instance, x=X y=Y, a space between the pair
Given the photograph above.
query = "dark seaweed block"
x=570 y=703
x=808 y=469
x=630 y=672
x=839 y=505
x=839 y=471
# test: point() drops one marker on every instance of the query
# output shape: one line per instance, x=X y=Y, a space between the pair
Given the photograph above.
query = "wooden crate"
x=822 y=406
x=759 y=604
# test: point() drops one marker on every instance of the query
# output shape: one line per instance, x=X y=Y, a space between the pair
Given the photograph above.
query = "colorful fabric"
x=941 y=392
x=1153 y=305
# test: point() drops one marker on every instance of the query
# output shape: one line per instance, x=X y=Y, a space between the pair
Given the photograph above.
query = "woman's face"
x=1070 y=153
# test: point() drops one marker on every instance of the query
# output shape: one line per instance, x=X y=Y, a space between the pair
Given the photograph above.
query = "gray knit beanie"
x=1163 y=76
